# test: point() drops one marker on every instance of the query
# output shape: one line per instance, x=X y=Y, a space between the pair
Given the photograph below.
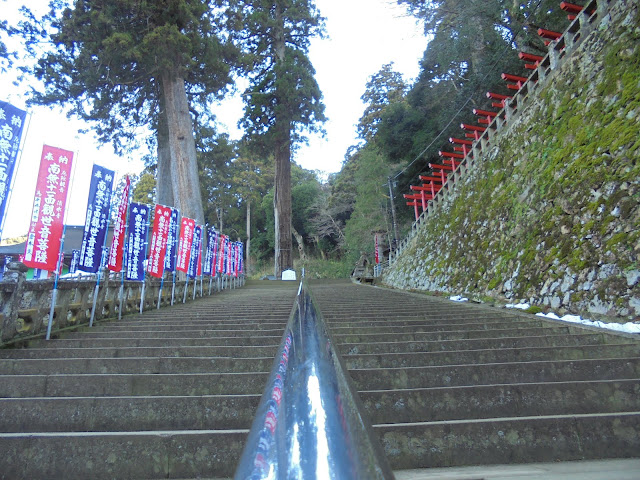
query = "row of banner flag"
x=176 y=244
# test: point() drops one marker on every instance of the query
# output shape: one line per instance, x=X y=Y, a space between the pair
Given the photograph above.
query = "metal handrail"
x=309 y=424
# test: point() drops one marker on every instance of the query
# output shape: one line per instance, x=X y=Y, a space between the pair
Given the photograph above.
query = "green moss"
x=533 y=309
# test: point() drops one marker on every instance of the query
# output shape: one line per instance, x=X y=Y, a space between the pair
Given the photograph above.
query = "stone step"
x=120 y=455
x=511 y=440
x=127 y=413
x=374 y=336
x=393 y=326
x=132 y=352
x=138 y=413
x=418 y=325
x=173 y=333
x=187 y=325
x=494 y=401
x=141 y=360
x=471 y=344
x=115 y=385
x=63 y=343
x=449 y=335
x=458 y=357
x=496 y=373
x=214 y=453
x=133 y=365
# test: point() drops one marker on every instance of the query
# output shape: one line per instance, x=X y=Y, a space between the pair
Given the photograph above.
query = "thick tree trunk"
x=182 y=148
x=247 y=255
x=164 y=189
x=282 y=134
x=282 y=209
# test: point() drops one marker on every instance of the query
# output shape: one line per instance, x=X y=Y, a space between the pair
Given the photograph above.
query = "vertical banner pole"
x=160 y=291
x=54 y=293
x=173 y=287
x=121 y=295
x=142 y=296
x=144 y=274
x=95 y=296
x=186 y=287
x=210 y=282
x=100 y=268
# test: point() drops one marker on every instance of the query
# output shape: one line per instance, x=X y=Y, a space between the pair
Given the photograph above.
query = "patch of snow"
x=458 y=298
x=521 y=306
x=628 y=327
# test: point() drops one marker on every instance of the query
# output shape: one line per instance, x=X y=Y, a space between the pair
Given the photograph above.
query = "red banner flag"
x=377 y=249
x=47 y=217
x=159 y=241
x=117 y=243
x=222 y=256
x=184 y=245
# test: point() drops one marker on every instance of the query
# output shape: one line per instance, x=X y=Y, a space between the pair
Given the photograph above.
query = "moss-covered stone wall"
x=551 y=213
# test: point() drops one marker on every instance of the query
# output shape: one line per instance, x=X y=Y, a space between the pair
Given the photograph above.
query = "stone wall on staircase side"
x=550 y=213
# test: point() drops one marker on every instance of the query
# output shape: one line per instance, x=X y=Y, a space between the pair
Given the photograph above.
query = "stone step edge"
x=375 y=391
x=380 y=426
x=507 y=419
x=160 y=433
x=489 y=385
x=580 y=360
x=354 y=370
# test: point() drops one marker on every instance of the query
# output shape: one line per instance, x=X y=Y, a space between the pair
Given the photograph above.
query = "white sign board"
x=288 y=275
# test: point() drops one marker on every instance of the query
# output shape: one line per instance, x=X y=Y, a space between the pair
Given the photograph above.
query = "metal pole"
x=121 y=295
x=142 y=296
x=393 y=213
x=186 y=287
x=173 y=287
x=54 y=293
x=95 y=295
x=160 y=291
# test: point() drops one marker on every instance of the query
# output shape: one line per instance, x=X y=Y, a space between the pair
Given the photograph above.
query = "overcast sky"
x=362 y=35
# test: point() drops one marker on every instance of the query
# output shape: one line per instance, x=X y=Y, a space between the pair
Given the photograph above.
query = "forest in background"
x=401 y=130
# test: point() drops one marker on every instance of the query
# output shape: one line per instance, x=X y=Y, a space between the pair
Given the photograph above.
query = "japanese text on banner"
x=117 y=243
x=137 y=239
x=159 y=236
x=172 y=242
x=194 y=259
x=47 y=217
x=11 y=125
x=184 y=246
x=97 y=219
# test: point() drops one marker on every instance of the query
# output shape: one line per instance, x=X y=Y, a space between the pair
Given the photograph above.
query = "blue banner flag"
x=226 y=252
x=97 y=219
x=172 y=242
x=240 y=257
x=194 y=259
x=11 y=125
x=75 y=256
x=209 y=266
x=137 y=241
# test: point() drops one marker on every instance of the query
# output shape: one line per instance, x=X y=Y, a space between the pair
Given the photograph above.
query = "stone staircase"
x=171 y=393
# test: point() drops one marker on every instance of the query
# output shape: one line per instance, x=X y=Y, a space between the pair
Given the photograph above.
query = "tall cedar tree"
x=283 y=100
x=126 y=64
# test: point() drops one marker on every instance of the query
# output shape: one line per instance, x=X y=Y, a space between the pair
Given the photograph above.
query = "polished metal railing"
x=310 y=422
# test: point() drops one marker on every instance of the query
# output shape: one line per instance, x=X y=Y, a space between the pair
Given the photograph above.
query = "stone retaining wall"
x=548 y=211
x=25 y=305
